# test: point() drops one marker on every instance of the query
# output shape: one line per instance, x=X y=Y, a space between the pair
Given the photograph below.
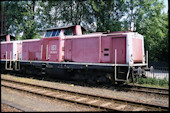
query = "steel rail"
x=12 y=107
x=121 y=106
x=150 y=90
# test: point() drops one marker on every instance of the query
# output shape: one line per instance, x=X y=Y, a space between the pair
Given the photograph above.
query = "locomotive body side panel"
x=7 y=47
x=135 y=48
x=14 y=51
x=84 y=49
x=3 y=50
x=24 y=51
x=44 y=49
x=61 y=49
x=31 y=49
x=10 y=51
x=106 y=48
x=137 y=53
x=68 y=49
x=19 y=50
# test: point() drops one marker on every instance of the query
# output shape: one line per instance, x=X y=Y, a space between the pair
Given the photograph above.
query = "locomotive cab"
x=54 y=41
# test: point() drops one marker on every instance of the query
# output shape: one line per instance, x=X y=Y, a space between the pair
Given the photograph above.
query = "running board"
x=117 y=80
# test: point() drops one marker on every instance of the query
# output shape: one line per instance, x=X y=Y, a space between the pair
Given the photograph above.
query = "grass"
x=153 y=82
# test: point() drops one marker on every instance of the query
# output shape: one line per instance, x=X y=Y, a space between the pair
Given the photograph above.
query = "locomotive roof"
x=72 y=26
x=4 y=35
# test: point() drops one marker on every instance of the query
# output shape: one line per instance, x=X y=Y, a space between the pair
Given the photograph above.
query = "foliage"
x=20 y=18
x=63 y=13
x=152 y=24
x=108 y=14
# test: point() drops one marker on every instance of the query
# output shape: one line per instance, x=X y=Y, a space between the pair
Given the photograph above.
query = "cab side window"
x=58 y=32
x=68 y=32
x=48 y=33
x=52 y=33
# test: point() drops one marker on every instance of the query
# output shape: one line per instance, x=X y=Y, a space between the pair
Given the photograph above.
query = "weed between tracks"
x=153 y=82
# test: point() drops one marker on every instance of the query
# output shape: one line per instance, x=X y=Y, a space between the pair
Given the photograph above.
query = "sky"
x=166 y=6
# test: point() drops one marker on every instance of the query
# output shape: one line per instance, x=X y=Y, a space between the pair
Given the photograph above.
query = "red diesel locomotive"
x=67 y=53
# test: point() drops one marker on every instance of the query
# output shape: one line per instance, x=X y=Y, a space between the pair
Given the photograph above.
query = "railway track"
x=148 y=90
x=106 y=103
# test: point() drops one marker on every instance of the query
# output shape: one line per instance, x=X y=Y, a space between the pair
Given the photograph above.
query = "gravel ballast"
x=148 y=98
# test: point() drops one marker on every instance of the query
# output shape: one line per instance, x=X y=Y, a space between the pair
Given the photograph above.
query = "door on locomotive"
x=110 y=44
x=31 y=49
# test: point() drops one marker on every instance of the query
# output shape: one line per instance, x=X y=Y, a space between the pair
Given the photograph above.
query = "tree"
x=20 y=18
x=30 y=17
x=108 y=14
x=72 y=12
x=152 y=24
